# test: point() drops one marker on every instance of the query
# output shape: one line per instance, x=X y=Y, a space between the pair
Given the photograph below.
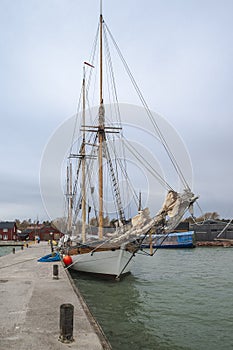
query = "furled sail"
x=169 y=216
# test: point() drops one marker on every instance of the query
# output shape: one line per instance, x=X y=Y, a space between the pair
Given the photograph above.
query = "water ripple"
x=177 y=300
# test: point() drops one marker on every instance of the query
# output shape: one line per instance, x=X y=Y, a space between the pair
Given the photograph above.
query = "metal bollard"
x=66 y=323
x=51 y=245
x=55 y=272
x=13 y=250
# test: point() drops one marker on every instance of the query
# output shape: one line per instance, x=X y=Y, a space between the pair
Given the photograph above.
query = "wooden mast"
x=140 y=202
x=83 y=166
x=69 y=194
x=101 y=130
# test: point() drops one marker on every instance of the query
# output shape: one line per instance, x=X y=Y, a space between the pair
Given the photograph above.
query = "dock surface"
x=30 y=305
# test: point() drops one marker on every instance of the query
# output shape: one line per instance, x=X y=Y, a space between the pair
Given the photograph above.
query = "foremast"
x=69 y=197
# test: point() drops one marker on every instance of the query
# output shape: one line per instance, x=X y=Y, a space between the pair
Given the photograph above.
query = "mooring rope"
x=228 y=224
x=19 y=262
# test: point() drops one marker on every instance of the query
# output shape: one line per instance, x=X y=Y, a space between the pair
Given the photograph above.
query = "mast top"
x=100 y=7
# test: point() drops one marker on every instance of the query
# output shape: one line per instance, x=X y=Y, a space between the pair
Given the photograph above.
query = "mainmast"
x=83 y=160
x=101 y=130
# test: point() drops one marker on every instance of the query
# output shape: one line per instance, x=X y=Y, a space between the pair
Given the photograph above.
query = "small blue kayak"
x=50 y=258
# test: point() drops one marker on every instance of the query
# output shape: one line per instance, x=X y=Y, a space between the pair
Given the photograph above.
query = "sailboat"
x=113 y=251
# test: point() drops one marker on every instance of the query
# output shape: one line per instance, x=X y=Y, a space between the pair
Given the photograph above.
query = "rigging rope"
x=116 y=105
x=115 y=182
x=153 y=121
x=76 y=122
x=228 y=224
x=125 y=174
x=147 y=165
x=125 y=143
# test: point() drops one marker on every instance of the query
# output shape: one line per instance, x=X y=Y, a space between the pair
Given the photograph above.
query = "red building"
x=8 y=231
x=46 y=233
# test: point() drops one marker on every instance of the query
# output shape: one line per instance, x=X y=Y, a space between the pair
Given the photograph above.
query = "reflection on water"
x=179 y=299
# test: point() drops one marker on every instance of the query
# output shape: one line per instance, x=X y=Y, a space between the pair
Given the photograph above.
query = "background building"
x=8 y=231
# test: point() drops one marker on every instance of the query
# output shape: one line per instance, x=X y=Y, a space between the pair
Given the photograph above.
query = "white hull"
x=112 y=263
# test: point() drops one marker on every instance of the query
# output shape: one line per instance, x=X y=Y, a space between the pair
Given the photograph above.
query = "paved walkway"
x=30 y=302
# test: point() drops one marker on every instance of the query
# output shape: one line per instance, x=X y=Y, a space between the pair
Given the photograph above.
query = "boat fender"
x=67 y=260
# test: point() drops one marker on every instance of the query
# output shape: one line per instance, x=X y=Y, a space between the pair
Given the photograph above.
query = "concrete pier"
x=30 y=305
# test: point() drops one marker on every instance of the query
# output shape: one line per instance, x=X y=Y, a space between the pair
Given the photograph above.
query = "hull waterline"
x=106 y=263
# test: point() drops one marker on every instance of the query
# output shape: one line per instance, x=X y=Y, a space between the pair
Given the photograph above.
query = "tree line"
x=61 y=223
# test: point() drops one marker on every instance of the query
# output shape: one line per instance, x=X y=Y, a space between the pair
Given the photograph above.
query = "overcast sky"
x=180 y=52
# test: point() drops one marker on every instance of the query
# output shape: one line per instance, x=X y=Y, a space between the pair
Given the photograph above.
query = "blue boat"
x=171 y=240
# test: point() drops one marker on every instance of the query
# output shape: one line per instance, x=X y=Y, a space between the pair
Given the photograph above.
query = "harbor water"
x=176 y=300
x=8 y=249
